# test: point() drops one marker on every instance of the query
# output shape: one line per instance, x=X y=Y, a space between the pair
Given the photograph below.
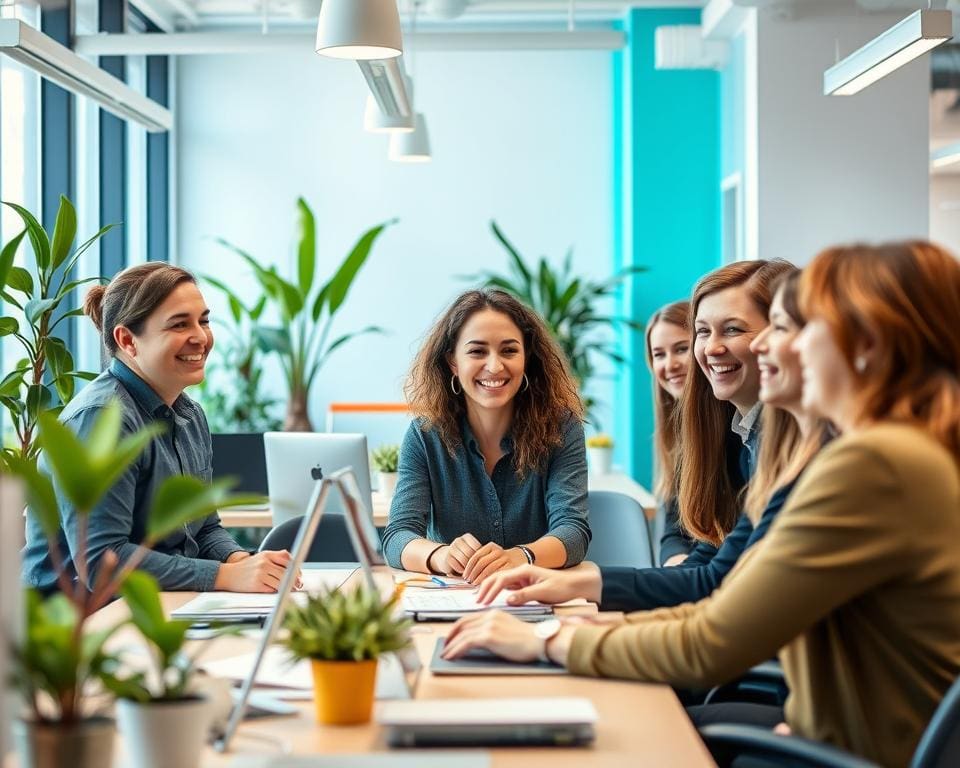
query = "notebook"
x=559 y=721
x=483 y=662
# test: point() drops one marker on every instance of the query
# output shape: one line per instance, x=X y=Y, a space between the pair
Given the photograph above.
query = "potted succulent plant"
x=343 y=634
x=600 y=454
x=385 y=460
x=59 y=663
x=153 y=705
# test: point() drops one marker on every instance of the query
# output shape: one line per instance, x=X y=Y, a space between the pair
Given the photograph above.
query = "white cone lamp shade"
x=359 y=29
x=412 y=147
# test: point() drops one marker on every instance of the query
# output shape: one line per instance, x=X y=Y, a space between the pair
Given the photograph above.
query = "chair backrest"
x=620 y=532
x=939 y=746
x=331 y=543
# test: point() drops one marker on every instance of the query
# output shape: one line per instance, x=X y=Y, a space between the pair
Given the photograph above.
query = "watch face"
x=547 y=629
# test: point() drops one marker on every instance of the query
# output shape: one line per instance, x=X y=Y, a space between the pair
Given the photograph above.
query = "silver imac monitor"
x=296 y=460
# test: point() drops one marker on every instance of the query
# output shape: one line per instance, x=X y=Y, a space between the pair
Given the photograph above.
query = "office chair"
x=620 y=533
x=939 y=746
x=763 y=684
x=331 y=543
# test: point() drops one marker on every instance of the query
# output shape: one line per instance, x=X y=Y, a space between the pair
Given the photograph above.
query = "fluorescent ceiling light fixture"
x=60 y=65
x=359 y=29
x=412 y=147
x=902 y=43
x=376 y=121
x=945 y=156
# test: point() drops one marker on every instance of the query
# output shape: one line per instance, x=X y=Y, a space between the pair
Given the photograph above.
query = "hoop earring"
x=526 y=383
x=453 y=379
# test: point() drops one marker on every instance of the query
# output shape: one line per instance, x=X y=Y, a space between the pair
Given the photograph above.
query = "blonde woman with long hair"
x=668 y=357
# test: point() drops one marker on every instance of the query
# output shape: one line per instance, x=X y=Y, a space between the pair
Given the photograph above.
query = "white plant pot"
x=388 y=483
x=164 y=734
x=600 y=460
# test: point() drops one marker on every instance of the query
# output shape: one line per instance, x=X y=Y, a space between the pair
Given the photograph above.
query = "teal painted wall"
x=667 y=202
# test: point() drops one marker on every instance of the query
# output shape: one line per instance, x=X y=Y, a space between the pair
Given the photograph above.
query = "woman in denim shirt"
x=492 y=471
x=155 y=325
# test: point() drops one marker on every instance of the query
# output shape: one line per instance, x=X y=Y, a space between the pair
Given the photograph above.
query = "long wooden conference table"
x=639 y=724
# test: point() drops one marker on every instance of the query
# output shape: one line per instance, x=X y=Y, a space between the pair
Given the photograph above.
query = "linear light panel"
x=944 y=156
x=902 y=43
x=62 y=66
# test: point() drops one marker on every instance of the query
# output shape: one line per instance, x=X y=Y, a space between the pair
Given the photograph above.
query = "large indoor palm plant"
x=306 y=309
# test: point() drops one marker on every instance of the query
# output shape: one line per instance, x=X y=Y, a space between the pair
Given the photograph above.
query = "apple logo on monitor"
x=317 y=473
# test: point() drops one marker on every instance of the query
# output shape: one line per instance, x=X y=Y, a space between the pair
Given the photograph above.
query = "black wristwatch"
x=528 y=553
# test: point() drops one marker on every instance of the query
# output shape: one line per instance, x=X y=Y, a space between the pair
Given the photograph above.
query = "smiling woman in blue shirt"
x=492 y=471
x=155 y=325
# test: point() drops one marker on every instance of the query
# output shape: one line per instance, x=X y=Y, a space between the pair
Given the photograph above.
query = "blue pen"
x=438 y=580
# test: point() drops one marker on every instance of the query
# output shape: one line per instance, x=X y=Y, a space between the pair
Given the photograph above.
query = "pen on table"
x=438 y=580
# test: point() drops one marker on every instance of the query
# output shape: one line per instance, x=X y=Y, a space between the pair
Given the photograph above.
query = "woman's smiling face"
x=670 y=356
x=489 y=360
x=726 y=323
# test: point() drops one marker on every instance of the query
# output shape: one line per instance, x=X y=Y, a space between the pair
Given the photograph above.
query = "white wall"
x=836 y=169
x=945 y=210
x=521 y=137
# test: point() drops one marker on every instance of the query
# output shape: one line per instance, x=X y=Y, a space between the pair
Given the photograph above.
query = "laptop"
x=344 y=485
x=297 y=460
x=557 y=721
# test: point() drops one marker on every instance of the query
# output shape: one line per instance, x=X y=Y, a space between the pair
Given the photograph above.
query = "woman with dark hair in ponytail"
x=155 y=326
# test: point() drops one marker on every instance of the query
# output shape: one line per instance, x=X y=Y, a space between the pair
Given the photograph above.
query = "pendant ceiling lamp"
x=376 y=120
x=359 y=29
x=413 y=147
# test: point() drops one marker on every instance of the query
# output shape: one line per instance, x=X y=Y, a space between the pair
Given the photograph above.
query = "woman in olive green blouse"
x=857 y=584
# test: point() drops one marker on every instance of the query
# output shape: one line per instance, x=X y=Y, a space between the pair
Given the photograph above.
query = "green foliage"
x=45 y=379
x=237 y=405
x=306 y=310
x=56 y=664
x=386 y=458
x=173 y=667
x=345 y=626
x=58 y=659
x=568 y=305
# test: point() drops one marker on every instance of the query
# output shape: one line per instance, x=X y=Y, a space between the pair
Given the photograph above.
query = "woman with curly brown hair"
x=493 y=470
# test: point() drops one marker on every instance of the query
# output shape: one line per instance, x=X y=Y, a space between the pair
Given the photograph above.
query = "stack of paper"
x=450 y=604
x=232 y=606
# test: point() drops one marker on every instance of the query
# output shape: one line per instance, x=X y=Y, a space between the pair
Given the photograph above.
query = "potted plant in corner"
x=153 y=706
x=600 y=454
x=385 y=460
x=343 y=634
x=302 y=340
x=58 y=663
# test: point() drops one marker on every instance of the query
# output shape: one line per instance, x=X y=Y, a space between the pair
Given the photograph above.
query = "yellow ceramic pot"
x=343 y=690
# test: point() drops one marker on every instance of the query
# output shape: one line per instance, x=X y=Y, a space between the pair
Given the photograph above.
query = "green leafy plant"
x=306 y=311
x=385 y=458
x=568 y=305
x=173 y=667
x=45 y=378
x=239 y=405
x=59 y=661
x=345 y=626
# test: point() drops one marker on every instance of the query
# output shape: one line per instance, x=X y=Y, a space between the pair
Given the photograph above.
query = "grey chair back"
x=939 y=746
x=621 y=535
x=331 y=543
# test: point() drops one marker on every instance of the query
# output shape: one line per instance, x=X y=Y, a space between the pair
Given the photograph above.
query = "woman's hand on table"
x=489 y=559
x=506 y=636
x=545 y=585
x=261 y=572
x=453 y=558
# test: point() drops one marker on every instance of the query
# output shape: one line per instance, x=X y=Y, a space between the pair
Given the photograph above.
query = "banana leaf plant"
x=240 y=405
x=569 y=306
x=307 y=311
x=58 y=662
x=45 y=378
